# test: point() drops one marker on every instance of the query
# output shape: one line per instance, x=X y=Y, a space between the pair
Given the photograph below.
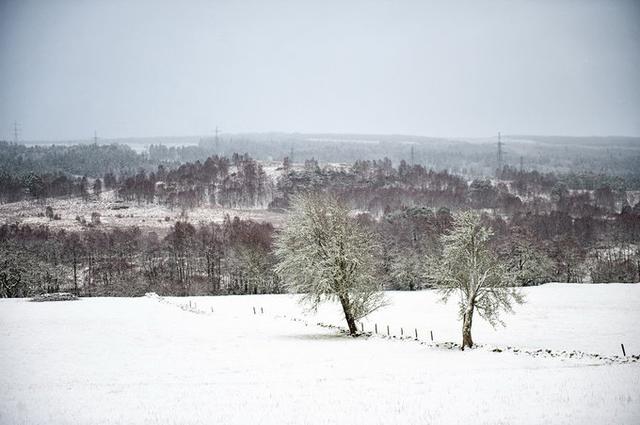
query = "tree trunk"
x=75 y=274
x=348 y=315
x=466 y=327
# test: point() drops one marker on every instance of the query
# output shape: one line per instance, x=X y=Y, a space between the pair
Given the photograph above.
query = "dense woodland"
x=546 y=226
x=229 y=258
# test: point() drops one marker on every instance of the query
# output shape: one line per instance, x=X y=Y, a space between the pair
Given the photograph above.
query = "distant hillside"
x=604 y=141
x=614 y=155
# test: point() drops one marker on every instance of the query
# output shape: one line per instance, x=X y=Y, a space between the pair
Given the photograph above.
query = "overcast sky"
x=168 y=68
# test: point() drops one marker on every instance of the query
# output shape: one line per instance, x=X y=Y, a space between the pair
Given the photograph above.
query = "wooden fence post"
x=623 y=352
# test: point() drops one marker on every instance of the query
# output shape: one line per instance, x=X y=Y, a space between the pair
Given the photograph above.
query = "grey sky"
x=138 y=68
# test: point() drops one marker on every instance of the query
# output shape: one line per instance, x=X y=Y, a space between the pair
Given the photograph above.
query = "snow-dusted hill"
x=148 y=361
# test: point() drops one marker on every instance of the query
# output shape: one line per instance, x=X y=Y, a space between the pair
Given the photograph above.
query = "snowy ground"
x=147 y=361
x=154 y=216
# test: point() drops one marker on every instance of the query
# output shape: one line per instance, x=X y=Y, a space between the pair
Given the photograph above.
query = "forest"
x=545 y=226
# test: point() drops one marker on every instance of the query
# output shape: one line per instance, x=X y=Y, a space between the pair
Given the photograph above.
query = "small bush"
x=56 y=296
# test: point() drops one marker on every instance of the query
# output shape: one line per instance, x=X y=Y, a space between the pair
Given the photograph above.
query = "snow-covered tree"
x=324 y=254
x=468 y=268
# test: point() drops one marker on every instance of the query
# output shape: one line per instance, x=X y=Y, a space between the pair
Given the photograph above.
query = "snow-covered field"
x=154 y=216
x=147 y=361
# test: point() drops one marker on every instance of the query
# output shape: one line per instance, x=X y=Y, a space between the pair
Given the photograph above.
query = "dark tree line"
x=237 y=256
x=92 y=160
x=234 y=257
x=236 y=182
x=39 y=187
x=377 y=187
x=239 y=182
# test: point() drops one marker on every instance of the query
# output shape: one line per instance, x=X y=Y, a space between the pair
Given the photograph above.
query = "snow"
x=595 y=318
x=152 y=217
x=147 y=361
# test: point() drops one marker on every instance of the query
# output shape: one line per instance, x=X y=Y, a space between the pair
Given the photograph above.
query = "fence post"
x=376 y=328
x=388 y=334
x=431 y=335
x=416 y=333
x=362 y=326
x=623 y=352
x=261 y=310
x=254 y=310
x=401 y=332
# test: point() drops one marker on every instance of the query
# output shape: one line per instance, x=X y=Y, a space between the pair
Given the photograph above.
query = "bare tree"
x=97 y=188
x=326 y=255
x=469 y=269
x=524 y=258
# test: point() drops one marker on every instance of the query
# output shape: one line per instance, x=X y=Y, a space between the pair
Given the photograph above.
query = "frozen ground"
x=560 y=316
x=154 y=216
x=147 y=361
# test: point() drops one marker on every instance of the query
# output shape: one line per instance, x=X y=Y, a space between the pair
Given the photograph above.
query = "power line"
x=16 y=132
x=521 y=163
x=500 y=153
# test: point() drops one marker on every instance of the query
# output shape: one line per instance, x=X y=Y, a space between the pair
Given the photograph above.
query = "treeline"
x=531 y=180
x=378 y=187
x=608 y=155
x=91 y=160
x=42 y=186
x=236 y=182
x=375 y=186
x=239 y=182
x=50 y=171
x=538 y=248
x=236 y=256
x=41 y=172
